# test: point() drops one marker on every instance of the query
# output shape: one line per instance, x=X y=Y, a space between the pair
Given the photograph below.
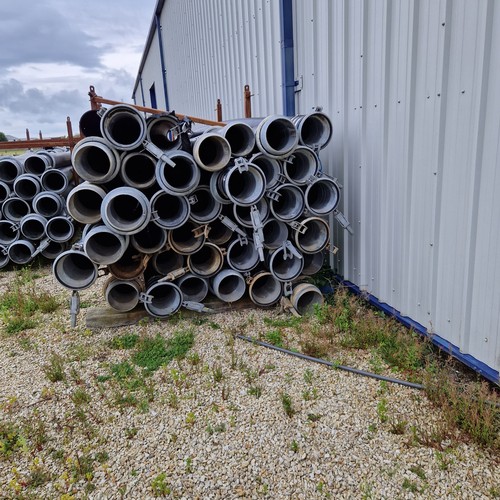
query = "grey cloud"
x=43 y=35
x=37 y=105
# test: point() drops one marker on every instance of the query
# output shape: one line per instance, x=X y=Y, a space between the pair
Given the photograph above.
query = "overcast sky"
x=52 y=50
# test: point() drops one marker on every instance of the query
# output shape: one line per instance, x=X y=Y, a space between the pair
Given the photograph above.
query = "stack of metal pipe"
x=173 y=212
x=33 y=189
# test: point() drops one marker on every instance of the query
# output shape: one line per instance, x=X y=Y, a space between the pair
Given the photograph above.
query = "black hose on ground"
x=333 y=365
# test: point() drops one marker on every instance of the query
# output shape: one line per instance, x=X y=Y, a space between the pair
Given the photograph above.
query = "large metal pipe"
x=32 y=226
x=9 y=232
x=162 y=298
x=123 y=127
x=244 y=184
x=211 y=151
x=60 y=229
x=242 y=255
x=74 y=270
x=271 y=168
x=138 y=170
x=125 y=210
x=57 y=180
x=186 y=239
x=243 y=214
x=181 y=179
x=4 y=191
x=312 y=235
x=240 y=136
x=94 y=160
x=314 y=129
x=305 y=297
x=169 y=211
x=219 y=233
x=104 y=246
x=286 y=263
x=21 y=251
x=163 y=132
x=166 y=262
x=288 y=202
x=276 y=136
x=48 y=204
x=57 y=157
x=150 y=239
x=207 y=261
x=205 y=208
x=193 y=288
x=14 y=209
x=123 y=295
x=54 y=249
x=90 y=123
x=228 y=285
x=27 y=186
x=313 y=262
x=301 y=165
x=129 y=266
x=84 y=203
x=10 y=168
x=322 y=196
x=217 y=188
x=4 y=256
x=265 y=290
x=37 y=164
x=275 y=233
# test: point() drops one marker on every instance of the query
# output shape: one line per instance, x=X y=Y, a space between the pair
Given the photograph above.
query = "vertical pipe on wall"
x=162 y=59
x=287 y=57
x=142 y=90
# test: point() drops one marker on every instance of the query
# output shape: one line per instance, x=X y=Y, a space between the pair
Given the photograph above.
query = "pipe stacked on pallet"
x=33 y=189
x=175 y=214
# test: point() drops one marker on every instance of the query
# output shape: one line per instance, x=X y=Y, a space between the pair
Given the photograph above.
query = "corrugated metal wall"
x=413 y=89
x=213 y=48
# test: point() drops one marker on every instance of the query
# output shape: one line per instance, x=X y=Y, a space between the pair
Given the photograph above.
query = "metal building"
x=413 y=90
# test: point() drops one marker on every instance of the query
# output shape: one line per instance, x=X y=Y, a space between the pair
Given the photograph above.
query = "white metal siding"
x=151 y=74
x=213 y=48
x=414 y=93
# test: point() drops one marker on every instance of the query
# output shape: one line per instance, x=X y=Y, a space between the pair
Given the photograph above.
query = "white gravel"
x=219 y=441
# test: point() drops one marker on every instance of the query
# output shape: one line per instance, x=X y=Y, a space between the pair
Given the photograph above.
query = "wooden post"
x=27 y=135
x=247 y=101
x=40 y=135
x=219 y=110
x=71 y=140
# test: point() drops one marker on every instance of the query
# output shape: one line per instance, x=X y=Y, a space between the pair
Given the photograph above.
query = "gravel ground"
x=217 y=428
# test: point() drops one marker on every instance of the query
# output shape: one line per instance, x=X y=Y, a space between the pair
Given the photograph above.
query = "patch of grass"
x=127 y=341
x=286 y=402
x=308 y=376
x=398 y=427
x=11 y=439
x=294 y=446
x=313 y=417
x=255 y=390
x=154 y=352
x=418 y=471
x=217 y=374
x=382 y=410
x=287 y=322
x=54 y=370
x=80 y=397
x=274 y=337
x=410 y=486
x=159 y=485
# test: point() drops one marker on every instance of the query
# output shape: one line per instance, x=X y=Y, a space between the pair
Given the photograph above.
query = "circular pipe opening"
x=212 y=152
x=15 y=209
x=21 y=252
x=206 y=208
x=33 y=228
x=275 y=233
x=285 y=269
x=219 y=233
x=242 y=258
x=4 y=191
x=150 y=239
x=313 y=262
x=322 y=197
x=307 y=300
x=94 y=162
x=27 y=187
x=124 y=128
x=315 y=238
x=90 y=124
x=304 y=165
x=54 y=180
x=246 y=187
x=315 y=129
x=35 y=164
x=290 y=204
x=171 y=211
x=231 y=288
x=270 y=167
x=242 y=213
x=265 y=290
x=206 y=262
x=104 y=247
x=167 y=261
x=8 y=233
x=74 y=270
x=277 y=136
x=53 y=250
x=183 y=240
x=122 y=295
x=160 y=133
x=193 y=288
x=84 y=205
x=241 y=138
x=9 y=170
x=47 y=204
x=138 y=170
x=126 y=210
x=129 y=265
x=60 y=229
x=167 y=299
x=181 y=179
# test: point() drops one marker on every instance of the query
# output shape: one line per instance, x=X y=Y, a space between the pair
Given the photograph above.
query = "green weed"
x=54 y=370
x=274 y=337
x=127 y=341
x=286 y=402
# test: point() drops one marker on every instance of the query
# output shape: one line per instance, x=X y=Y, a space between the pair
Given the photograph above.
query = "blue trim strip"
x=287 y=57
x=480 y=367
x=162 y=60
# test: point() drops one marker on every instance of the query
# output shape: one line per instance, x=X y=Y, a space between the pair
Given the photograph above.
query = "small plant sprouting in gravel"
x=173 y=399
x=255 y=390
x=443 y=460
x=286 y=402
x=382 y=410
x=131 y=432
x=54 y=370
x=418 y=471
x=225 y=392
x=308 y=376
x=294 y=446
x=274 y=337
x=189 y=465
x=80 y=396
x=217 y=374
x=410 y=486
x=127 y=341
x=159 y=485
x=194 y=359
x=398 y=427
x=190 y=419
x=313 y=417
